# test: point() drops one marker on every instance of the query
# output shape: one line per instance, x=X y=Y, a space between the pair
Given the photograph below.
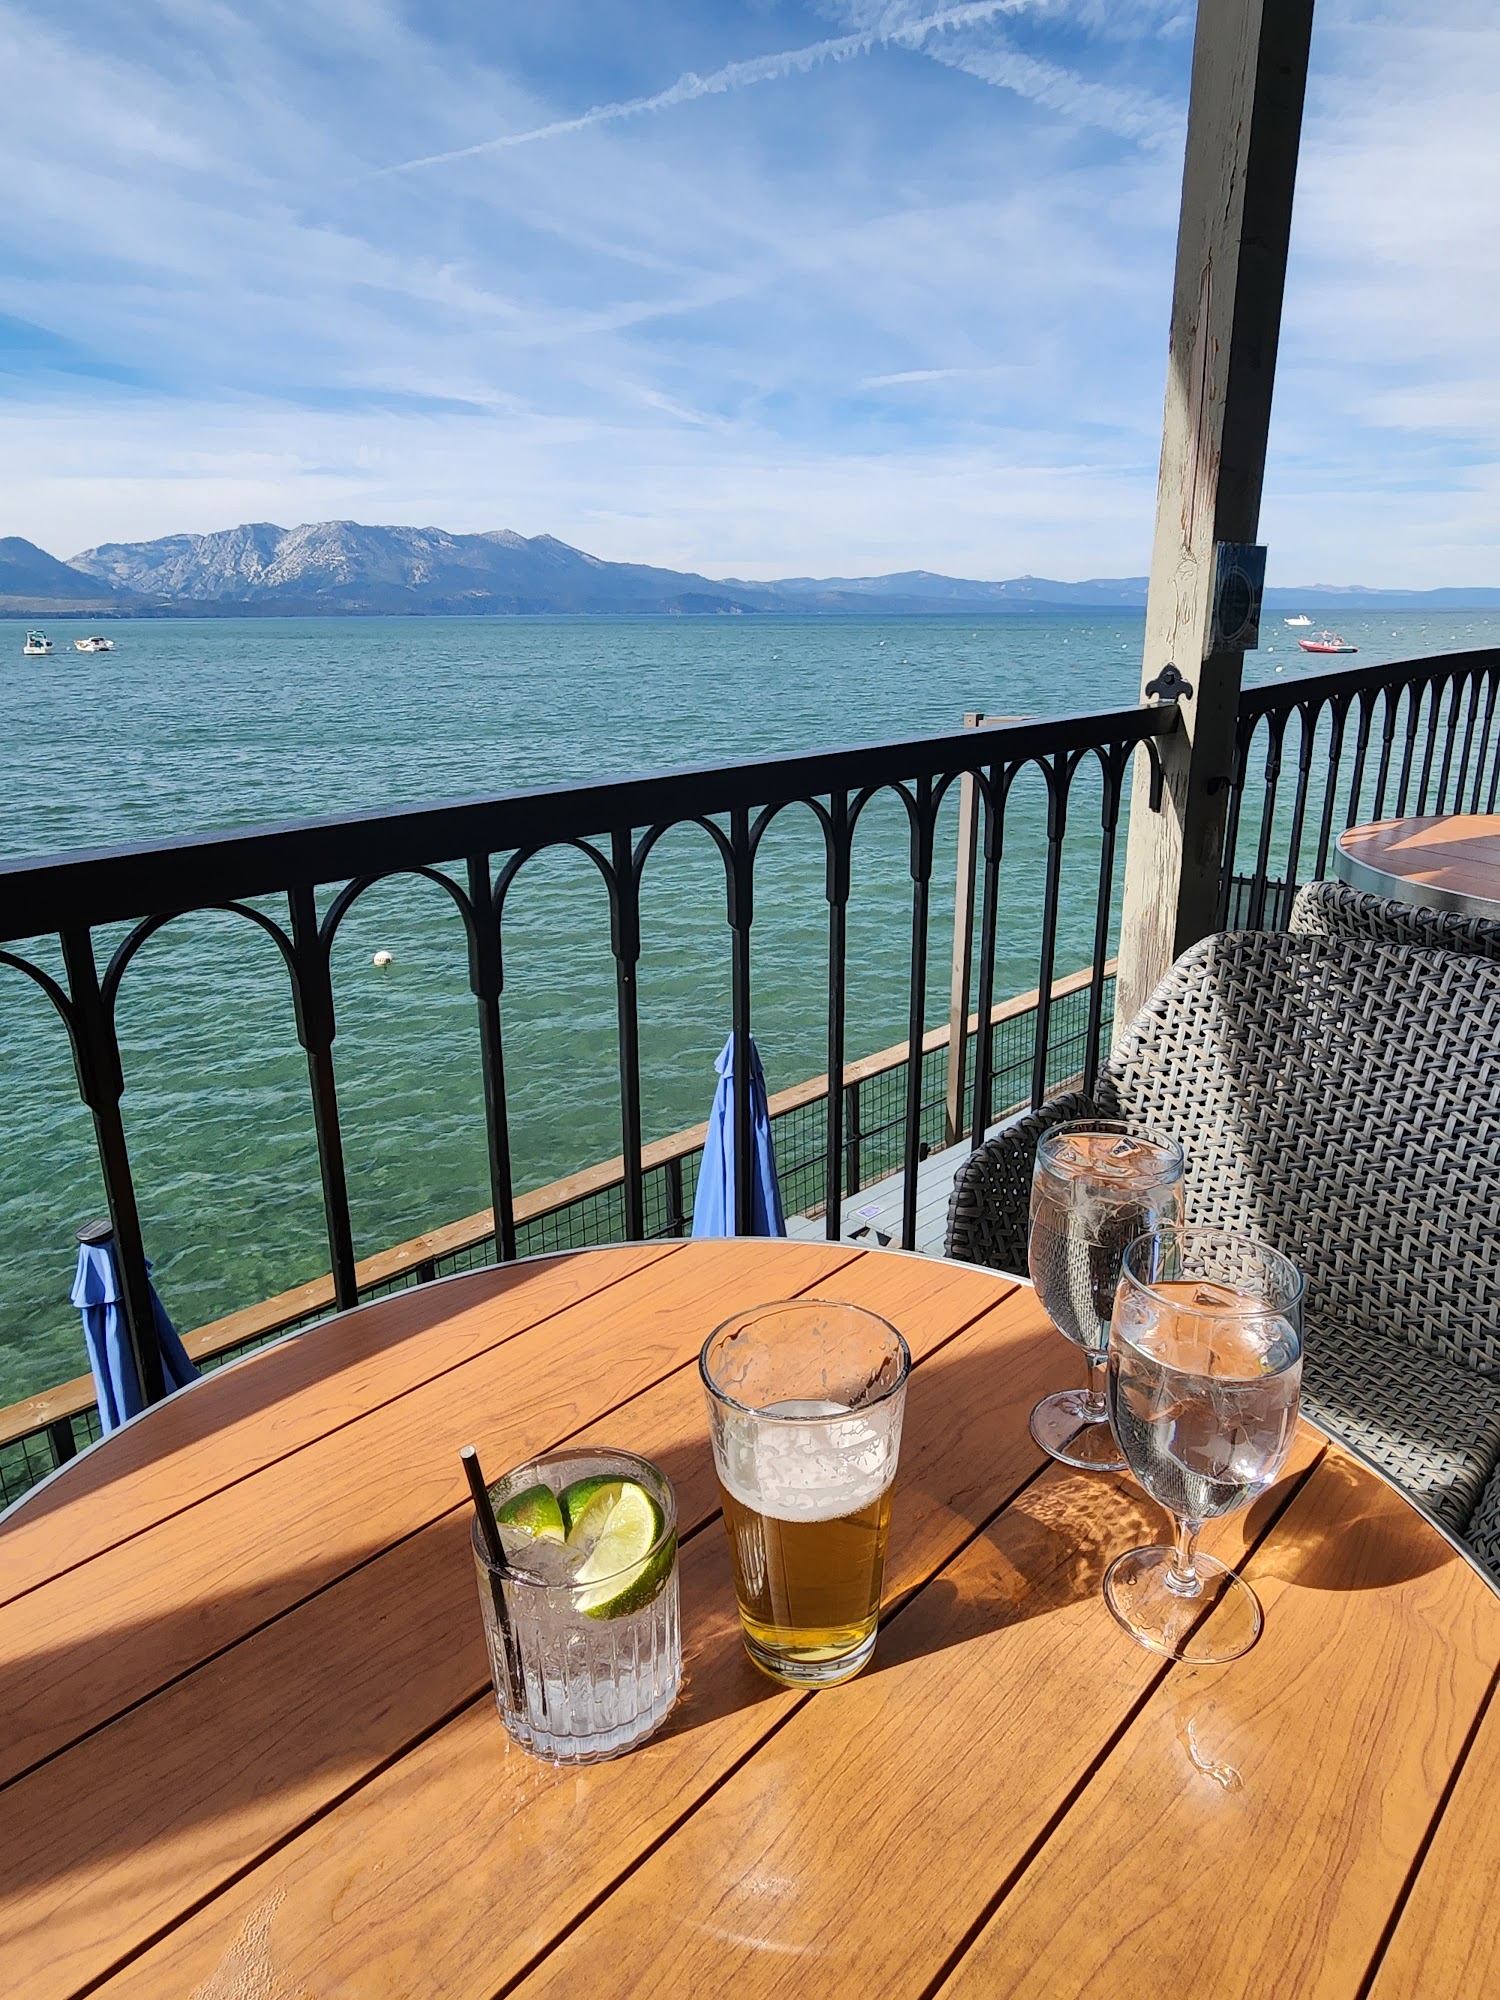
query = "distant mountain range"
x=341 y=567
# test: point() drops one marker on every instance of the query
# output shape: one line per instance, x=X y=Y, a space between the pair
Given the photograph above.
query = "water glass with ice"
x=1096 y=1187
x=1205 y=1373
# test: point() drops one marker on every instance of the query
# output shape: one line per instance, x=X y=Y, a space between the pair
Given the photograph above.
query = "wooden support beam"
x=1244 y=124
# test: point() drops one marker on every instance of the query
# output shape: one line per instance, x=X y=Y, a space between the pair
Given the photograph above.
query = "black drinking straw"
x=494 y=1549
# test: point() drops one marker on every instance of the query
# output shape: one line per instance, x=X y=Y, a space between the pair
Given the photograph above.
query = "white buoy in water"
x=383 y=959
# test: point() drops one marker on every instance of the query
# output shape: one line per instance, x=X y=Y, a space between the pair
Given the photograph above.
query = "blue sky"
x=760 y=289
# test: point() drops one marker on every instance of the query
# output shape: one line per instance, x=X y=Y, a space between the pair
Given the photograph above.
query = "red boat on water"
x=1326 y=642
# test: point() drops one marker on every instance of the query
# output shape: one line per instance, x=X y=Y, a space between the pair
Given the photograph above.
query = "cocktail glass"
x=583 y=1666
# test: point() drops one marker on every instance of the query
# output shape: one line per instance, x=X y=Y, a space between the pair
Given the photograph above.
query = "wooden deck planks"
x=875 y=1211
x=71 y=1875
x=418 y=1899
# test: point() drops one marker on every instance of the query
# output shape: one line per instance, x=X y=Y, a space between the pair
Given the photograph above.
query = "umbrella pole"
x=739 y=916
x=101 y=1084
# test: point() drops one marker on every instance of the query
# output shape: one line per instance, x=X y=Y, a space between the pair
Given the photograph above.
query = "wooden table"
x=1445 y=861
x=250 y=1748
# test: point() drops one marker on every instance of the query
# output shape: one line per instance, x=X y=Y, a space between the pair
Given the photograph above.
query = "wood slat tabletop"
x=1441 y=861
x=251 y=1748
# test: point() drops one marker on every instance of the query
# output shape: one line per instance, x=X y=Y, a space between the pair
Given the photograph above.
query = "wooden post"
x=1244 y=124
x=954 y=1122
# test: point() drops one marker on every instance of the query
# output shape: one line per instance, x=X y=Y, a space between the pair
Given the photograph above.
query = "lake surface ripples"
x=193 y=724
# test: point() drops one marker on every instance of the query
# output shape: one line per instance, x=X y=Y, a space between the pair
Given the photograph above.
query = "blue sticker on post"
x=1239 y=584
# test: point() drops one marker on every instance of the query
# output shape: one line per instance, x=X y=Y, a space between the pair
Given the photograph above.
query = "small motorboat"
x=1298 y=620
x=95 y=643
x=1326 y=642
x=37 y=642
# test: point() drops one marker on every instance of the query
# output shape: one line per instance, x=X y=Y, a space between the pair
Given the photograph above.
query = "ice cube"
x=1215 y=1295
x=539 y=1561
x=1124 y=1147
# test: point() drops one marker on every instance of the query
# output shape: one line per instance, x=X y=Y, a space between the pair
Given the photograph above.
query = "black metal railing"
x=874 y=1120
x=1343 y=749
x=474 y=852
x=1339 y=749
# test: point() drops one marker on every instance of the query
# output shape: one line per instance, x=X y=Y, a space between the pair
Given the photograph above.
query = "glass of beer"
x=805 y=1400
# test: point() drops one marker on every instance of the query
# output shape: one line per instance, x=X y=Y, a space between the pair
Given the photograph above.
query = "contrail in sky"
x=734 y=76
x=1149 y=121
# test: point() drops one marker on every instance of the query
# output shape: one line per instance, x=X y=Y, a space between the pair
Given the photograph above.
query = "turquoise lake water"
x=193 y=724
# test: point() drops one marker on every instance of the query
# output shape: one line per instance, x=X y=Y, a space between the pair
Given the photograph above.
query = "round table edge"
x=1363 y=875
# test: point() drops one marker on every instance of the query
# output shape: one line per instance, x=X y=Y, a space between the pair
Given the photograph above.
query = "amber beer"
x=808 y=1589
x=807 y=1479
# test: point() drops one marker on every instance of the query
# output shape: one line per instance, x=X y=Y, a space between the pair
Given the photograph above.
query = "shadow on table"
x=1360 y=1535
x=247 y=1392
x=1044 y=1553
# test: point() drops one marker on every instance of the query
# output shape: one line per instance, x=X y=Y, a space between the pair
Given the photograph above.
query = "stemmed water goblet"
x=1096 y=1187
x=1205 y=1372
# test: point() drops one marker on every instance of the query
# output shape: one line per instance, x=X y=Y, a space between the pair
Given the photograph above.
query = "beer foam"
x=806 y=1471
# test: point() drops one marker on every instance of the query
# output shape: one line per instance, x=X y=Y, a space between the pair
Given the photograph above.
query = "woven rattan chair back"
x=1340 y=1100
x=1332 y=909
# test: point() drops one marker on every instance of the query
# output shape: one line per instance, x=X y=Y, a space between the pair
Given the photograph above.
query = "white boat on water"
x=1299 y=620
x=95 y=643
x=37 y=642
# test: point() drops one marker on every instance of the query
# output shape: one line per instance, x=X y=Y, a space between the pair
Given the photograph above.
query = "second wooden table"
x=1447 y=861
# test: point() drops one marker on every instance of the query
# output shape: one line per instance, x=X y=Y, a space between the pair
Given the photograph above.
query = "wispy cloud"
x=982 y=50
x=1150 y=121
x=903 y=376
x=890 y=311
x=899 y=33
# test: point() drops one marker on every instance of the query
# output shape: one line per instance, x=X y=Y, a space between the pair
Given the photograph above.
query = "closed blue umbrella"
x=713 y=1204
x=97 y=1293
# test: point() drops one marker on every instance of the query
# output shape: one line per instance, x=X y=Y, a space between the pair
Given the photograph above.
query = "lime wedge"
x=534 y=1512
x=589 y=1514
x=624 y=1568
x=574 y=1499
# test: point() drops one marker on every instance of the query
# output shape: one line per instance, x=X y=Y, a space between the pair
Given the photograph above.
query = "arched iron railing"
x=1366 y=744
x=474 y=851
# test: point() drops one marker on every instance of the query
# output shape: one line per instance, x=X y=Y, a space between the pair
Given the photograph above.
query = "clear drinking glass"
x=582 y=1670
x=805 y=1401
x=1096 y=1186
x=1205 y=1371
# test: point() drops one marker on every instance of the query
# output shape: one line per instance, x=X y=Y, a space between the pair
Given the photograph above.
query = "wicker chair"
x=1342 y=1102
x=1332 y=909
